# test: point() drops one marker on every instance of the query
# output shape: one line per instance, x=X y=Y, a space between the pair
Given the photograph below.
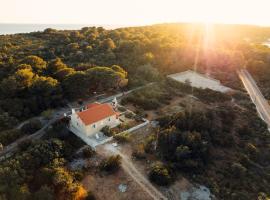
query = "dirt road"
x=137 y=176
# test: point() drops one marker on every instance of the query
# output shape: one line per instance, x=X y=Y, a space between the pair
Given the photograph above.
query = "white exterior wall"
x=77 y=123
x=94 y=128
x=89 y=130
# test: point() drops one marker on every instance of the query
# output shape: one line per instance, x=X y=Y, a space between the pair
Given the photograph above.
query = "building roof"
x=96 y=112
x=92 y=105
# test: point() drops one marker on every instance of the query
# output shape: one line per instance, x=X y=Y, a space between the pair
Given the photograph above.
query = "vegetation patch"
x=122 y=137
x=160 y=174
x=110 y=164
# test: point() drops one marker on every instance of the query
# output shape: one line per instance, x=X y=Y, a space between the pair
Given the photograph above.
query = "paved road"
x=256 y=96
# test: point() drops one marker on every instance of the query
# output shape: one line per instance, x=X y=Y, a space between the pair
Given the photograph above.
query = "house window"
x=94 y=126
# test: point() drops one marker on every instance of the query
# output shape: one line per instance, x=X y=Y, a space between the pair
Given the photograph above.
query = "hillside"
x=210 y=138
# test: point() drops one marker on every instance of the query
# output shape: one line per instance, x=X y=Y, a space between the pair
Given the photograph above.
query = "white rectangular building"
x=96 y=116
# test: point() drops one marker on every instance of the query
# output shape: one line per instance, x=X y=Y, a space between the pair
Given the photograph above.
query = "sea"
x=27 y=28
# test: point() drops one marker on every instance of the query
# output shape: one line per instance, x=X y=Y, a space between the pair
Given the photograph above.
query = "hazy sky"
x=134 y=12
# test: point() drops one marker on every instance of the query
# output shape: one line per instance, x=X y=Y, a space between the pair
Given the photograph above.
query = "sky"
x=134 y=12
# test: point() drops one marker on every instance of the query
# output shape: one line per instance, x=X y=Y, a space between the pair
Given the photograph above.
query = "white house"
x=199 y=80
x=94 y=117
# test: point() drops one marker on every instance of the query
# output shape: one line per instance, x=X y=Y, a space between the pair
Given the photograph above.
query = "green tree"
x=160 y=174
x=7 y=121
x=38 y=64
x=111 y=164
x=47 y=92
x=24 y=78
x=44 y=193
x=55 y=66
x=108 y=44
x=76 y=85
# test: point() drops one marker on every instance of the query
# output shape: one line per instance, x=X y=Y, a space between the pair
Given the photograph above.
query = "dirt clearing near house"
x=106 y=187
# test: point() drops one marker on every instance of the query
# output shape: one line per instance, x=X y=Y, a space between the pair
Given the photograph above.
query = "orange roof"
x=92 y=105
x=96 y=112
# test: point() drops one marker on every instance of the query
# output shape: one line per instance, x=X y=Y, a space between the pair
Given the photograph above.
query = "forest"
x=38 y=70
x=45 y=70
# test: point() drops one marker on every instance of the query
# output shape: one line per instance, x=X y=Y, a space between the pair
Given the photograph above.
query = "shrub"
x=123 y=126
x=78 y=175
x=47 y=114
x=31 y=127
x=129 y=115
x=107 y=131
x=88 y=152
x=238 y=170
x=138 y=152
x=23 y=145
x=263 y=196
x=121 y=109
x=160 y=174
x=111 y=164
x=149 y=146
x=122 y=137
x=9 y=136
x=90 y=196
x=182 y=152
x=251 y=148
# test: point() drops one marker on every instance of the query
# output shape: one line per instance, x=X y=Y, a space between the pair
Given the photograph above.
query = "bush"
x=31 y=127
x=251 y=149
x=129 y=115
x=88 y=152
x=121 y=109
x=78 y=175
x=238 y=170
x=9 y=136
x=47 y=114
x=139 y=152
x=122 y=137
x=149 y=146
x=90 y=196
x=107 y=131
x=23 y=145
x=160 y=174
x=111 y=164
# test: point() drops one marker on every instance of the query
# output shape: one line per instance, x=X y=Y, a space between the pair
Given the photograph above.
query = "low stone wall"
x=138 y=126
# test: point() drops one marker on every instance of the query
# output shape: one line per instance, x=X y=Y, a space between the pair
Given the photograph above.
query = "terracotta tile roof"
x=92 y=105
x=96 y=112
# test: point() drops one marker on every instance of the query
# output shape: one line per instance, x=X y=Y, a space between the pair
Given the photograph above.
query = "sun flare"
x=139 y=12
